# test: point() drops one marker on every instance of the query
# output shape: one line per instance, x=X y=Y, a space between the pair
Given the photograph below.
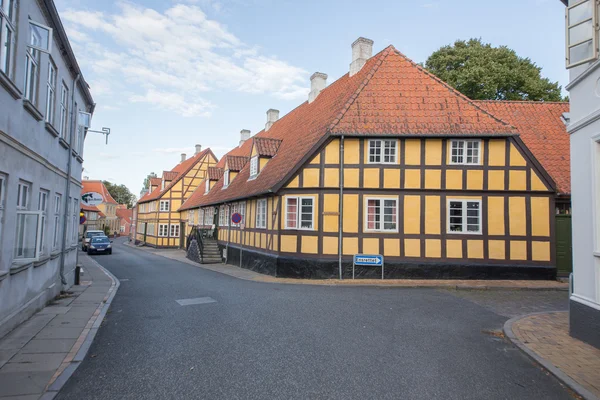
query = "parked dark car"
x=100 y=245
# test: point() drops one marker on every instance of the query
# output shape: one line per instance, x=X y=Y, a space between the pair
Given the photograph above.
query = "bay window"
x=299 y=213
x=261 y=213
x=464 y=216
x=382 y=215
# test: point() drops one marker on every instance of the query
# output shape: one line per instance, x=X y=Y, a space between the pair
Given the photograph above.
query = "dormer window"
x=253 y=167
x=225 y=178
x=582 y=42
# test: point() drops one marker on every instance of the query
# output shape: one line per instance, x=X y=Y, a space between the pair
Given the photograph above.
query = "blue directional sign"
x=367 y=260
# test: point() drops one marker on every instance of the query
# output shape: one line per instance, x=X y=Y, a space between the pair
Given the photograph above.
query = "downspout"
x=228 y=208
x=341 y=210
x=68 y=188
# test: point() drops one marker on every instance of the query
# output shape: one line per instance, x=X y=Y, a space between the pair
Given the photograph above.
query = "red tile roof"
x=236 y=163
x=155 y=181
x=169 y=175
x=98 y=187
x=543 y=132
x=126 y=214
x=389 y=95
x=214 y=173
x=181 y=169
x=266 y=147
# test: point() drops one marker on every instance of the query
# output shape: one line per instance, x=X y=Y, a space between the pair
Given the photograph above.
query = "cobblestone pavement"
x=547 y=335
x=512 y=303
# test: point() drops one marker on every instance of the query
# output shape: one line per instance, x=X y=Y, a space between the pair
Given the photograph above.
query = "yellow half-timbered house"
x=386 y=160
x=159 y=223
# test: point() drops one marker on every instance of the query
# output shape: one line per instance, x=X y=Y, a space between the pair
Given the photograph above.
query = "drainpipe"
x=341 y=210
x=228 y=208
x=68 y=188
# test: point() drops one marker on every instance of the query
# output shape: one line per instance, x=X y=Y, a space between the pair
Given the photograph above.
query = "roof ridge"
x=523 y=101
x=447 y=86
x=382 y=55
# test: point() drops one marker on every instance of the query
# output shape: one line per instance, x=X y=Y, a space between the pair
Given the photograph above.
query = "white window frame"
x=2 y=202
x=163 y=230
x=63 y=127
x=23 y=195
x=465 y=144
x=253 y=167
x=32 y=45
x=51 y=92
x=393 y=158
x=382 y=201
x=57 y=210
x=225 y=179
x=20 y=256
x=122 y=229
x=191 y=217
x=261 y=214
x=593 y=39
x=209 y=215
x=299 y=213
x=207 y=186
x=8 y=33
x=242 y=211
x=165 y=206
x=464 y=217
x=43 y=198
x=75 y=220
x=174 y=231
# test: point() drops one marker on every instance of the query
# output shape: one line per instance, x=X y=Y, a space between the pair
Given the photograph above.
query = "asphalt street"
x=275 y=341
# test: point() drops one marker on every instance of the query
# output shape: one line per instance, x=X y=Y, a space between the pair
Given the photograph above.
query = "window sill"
x=3 y=275
x=63 y=143
x=79 y=159
x=10 y=86
x=20 y=266
x=52 y=130
x=43 y=260
x=32 y=109
x=54 y=255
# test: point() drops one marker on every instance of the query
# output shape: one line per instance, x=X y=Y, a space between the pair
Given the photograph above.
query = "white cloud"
x=168 y=59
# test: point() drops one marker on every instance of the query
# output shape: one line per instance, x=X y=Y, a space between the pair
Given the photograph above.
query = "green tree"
x=482 y=72
x=147 y=183
x=121 y=194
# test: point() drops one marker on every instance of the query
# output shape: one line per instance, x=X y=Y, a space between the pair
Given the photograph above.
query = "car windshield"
x=100 y=240
x=92 y=234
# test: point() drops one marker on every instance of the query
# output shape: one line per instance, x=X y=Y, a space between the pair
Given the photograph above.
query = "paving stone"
x=25 y=332
x=24 y=397
x=53 y=332
x=48 y=346
x=55 y=310
x=63 y=321
x=23 y=383
x=34 y=362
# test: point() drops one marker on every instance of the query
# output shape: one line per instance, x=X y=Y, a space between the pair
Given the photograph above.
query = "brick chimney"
x=183 y=157
x=244 y=135
x=318 y=82
x=362 y=50
x=272 y=117
x=198 y=148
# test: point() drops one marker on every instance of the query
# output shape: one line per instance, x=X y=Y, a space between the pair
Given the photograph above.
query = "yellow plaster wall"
x=433 y=152
x=412 y=214
x=332 y=152
x=540 y=220
x=413 y=152
x=517 y=216
x=454 y=179
x=391 y=178
x=311 y=178
x=350 y=222
x=497 y=152
x=371 y=178
x=331 y=205
x=432 y=215
x=331 y=177
x=516 y=159
x=351 y=151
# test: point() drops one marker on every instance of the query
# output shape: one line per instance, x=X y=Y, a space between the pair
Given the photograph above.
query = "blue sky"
x=169 y=74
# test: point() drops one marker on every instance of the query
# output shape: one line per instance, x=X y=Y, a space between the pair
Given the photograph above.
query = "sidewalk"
x=545 y=338
x=241 y=273
x=38 y=356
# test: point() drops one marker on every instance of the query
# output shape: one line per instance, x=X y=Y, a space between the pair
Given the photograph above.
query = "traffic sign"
x=367 y=260
x=236 y=218
x=82 y=220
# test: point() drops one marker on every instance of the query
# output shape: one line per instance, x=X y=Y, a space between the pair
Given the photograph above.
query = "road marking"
x=198 y=300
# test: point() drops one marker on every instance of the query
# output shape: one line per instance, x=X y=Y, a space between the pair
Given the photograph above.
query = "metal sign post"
x=368 y=260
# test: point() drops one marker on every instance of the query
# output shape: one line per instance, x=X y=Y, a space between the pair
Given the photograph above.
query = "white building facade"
x=44 y=101
x=584 y=128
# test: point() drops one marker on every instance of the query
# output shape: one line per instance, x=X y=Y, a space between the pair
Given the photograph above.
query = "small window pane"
x=27 y=231
x=581 y=32
x=581 y=12
x=581 y=52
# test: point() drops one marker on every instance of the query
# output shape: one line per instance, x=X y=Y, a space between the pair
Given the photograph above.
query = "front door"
x=145 y=231
x=564 y=245
x=182 y=235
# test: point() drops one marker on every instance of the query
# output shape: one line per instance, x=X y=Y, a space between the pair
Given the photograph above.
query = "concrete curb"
x=561 y=376
x=62 y=379
x=270 y=279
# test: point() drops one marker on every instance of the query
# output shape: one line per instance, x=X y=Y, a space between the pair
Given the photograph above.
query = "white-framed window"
x=225 y=178
x=152 y=229
x=254 y=167
x=23 y=191
x=32 y=67
x=174 y=230
x=7 y=36
x=383 y=151
x=381 y=214
x=582 y=41
x=465 y=152
x=2 y=202
x=242 y=211
x=299 y=213
x=51 y=93
x=164 y=205
x=464 y=216
x=234 y=209
x=63 y=126
x=191 y=217
x=261 y=213
x=122 y=229
x=43 y=208
x=207 y=186
x=92 y=216
x=222 y=216
x=79 y=133
x=163 y=230
x=28 y=235
x=40 y=37
x=56 y=229
x=209 y=214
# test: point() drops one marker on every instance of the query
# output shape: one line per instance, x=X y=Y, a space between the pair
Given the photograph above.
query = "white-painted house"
x=584 y=127
x=44 y=105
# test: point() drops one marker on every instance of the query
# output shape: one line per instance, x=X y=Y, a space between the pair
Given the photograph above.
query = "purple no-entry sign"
x=236 y=218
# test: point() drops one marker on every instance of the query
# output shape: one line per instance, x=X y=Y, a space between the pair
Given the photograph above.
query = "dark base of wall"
x=584 y=322
x=292 y=267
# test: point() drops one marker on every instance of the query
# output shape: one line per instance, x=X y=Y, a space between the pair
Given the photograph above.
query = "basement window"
x=464 y=152
x=464 y=216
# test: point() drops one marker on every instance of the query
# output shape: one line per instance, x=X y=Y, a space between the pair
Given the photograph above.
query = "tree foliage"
x=147 y=182
x=482 y=72
x=121 y=194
